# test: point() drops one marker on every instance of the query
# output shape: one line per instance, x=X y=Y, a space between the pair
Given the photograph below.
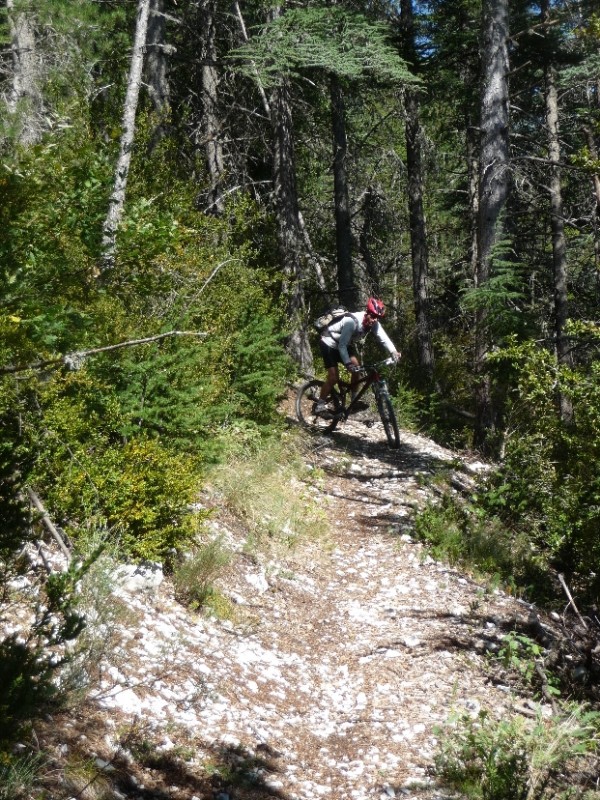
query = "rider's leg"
x=330 y=381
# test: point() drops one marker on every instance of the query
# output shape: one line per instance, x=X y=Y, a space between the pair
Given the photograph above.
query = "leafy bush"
x=517 y=758
x=548 y=485
x=85 y=471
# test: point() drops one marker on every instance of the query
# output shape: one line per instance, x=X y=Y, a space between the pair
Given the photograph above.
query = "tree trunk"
x=211 y=123
x=288 y=226
x=559 y=242
x=117 y=198
x=25 y=97
x=493 y=191
x=418 y=234
x=416 y=211
x=157 y=68
x=157 y=62
x=370 y=200
x=472 y=134
x=591 y=143
x=347 y=288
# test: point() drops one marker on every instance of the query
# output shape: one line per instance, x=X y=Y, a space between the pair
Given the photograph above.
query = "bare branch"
x=75 y=359
x=48 y=523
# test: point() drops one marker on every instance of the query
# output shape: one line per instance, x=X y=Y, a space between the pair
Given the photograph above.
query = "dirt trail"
x=339 y=666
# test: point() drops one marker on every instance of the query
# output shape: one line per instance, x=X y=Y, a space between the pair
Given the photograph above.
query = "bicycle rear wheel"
x=388 y=417
x=306 y=399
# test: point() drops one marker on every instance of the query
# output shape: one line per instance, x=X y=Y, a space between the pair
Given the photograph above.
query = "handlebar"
x=387 y=362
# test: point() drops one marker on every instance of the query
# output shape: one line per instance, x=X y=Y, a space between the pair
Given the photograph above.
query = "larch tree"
x=332 y=46
x=211 y=122
x=347 y=284
x=156 y=68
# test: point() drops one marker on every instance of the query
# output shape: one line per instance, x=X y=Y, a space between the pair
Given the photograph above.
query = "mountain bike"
x=338 y=407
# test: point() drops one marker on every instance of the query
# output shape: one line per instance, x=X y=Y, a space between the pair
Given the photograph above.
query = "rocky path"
x=336 y=671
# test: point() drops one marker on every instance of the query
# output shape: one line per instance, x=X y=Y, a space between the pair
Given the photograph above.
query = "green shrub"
x=19 y=774
x=517 y=758
x=195 y=574
x=407 y=404
x=459 y=533
x=549 y=482
x=85 y=472
x=262 y=482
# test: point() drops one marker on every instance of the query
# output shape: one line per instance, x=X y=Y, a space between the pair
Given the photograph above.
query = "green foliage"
x=261 y=482
x=32 y=658
x=407 y=404
x=548 y=483
x=516 y=759
x=332 y=39
x=502 y=295
x=194 y=576
x=521 y=655
x=85 y=472
x=18 y=774
x=461 y=533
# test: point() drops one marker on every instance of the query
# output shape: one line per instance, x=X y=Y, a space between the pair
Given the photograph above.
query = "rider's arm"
x=383 y=338
x=347 y=329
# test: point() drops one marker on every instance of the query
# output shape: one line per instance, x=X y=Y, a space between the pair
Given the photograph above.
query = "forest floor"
x=332 y=675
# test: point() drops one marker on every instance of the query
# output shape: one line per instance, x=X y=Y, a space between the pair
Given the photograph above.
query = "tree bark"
x=288 y=226
x=416 y=211
x=370 y=201
x=418 y=235
x=472 y=144
x=157 y=62
x=116 y=202
x=559 y=242
x=493 y=191
x=25 y=96
x=591 y=143
x=211 y=122
x=347 y=288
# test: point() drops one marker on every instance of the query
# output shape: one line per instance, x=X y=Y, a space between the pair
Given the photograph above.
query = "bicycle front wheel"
x=306 y=399
x=388 y=417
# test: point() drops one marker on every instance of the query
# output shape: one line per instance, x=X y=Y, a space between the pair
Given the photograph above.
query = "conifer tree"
x=494 y=181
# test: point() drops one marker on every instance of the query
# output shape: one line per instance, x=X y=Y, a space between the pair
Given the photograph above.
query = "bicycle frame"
x=372 y=378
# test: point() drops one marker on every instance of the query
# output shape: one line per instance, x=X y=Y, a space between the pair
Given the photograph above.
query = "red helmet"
x=375 y=307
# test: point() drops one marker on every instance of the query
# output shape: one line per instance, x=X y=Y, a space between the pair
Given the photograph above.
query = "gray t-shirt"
x=350 y=329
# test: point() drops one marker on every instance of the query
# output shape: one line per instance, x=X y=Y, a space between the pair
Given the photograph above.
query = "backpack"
x=335 y=314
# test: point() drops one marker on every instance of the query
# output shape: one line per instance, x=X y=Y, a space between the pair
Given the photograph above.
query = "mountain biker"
x=337 y=346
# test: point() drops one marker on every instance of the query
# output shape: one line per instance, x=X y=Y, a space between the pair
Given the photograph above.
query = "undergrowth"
x=266 y=485
x=520 y=758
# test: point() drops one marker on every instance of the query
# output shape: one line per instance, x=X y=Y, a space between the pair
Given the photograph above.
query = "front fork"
x=380 y=388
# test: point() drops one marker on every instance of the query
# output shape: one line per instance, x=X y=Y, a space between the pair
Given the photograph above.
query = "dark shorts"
x=331 y=355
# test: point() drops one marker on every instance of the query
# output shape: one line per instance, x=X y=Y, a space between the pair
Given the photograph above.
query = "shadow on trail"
x=402 y=462
x=142 y=770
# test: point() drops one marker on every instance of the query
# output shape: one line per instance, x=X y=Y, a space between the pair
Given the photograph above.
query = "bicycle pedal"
x=324 y=413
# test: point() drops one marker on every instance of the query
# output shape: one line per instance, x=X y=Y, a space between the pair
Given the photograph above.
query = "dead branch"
x=571 y=601
x=75 y=359
x=45 y=517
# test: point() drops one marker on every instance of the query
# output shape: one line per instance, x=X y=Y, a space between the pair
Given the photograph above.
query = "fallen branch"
x=45 y=517
x=571 y=601
x=75 y=359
